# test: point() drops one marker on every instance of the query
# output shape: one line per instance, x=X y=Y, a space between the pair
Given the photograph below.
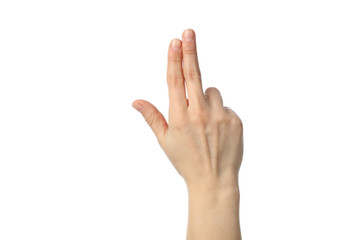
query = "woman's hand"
x=203 y=139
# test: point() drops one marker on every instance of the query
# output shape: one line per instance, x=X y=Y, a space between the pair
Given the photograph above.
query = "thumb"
x=153 y=117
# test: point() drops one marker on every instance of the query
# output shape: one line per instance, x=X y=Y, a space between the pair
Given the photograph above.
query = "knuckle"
x=222 y=121
x=189 y=51
x=220 y=117
x=198 y=122
x=211 y=89
x=227 y=109
x=212 y=127
x=174 y=79
x=236 y=122
x=174 y=59
x=192 y=75
x=151 y=119
x=198 y=118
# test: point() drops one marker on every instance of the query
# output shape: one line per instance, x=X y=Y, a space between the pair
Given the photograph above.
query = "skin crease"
x=203 y=140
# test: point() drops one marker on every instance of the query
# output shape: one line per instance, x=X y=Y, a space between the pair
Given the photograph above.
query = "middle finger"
x=191 y=69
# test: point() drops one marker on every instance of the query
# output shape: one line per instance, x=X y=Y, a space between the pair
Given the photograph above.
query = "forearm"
x=214 y=211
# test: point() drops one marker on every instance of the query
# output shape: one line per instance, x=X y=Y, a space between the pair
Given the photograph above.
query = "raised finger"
x=191 y=68
x=175 y=79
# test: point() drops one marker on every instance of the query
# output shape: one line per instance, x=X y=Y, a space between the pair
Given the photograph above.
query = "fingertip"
x=176 y=44
x=134 y=102
x=137 y=105
x=188 y=35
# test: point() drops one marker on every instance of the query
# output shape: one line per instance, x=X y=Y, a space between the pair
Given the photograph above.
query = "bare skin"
x=203 y=140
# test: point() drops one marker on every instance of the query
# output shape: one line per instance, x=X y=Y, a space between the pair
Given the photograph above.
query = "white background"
x=78 y=162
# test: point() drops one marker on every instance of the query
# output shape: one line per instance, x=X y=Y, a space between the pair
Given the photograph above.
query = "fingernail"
x=175 y=44
x=189 y=35
x=137 y=106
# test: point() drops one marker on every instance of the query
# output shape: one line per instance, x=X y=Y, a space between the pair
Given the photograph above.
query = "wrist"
x=221 y=188
x=214 y=208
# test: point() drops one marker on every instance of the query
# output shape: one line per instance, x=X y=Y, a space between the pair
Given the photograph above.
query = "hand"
x=203 y=139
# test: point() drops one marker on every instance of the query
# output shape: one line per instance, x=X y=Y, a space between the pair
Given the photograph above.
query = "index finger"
x=175 y=79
